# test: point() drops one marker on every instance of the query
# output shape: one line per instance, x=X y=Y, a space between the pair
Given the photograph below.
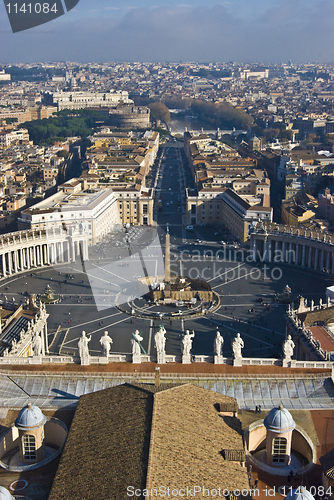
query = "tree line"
x=66 y=123
x=215 y=114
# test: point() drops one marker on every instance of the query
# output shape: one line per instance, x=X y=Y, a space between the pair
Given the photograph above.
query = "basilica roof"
x=145 y=436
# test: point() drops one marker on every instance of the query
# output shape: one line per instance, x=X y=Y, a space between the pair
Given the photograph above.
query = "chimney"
x=157 y=376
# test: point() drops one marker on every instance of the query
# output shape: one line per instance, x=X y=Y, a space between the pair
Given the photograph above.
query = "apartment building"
x=221 y=206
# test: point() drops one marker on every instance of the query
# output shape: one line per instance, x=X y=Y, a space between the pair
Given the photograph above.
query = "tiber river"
x=178 y=124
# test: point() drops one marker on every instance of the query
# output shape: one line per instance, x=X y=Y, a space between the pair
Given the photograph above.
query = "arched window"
x=279 y=450
x=29 y=447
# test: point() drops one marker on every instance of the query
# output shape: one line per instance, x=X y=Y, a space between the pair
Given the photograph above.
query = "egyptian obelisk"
x=167 y=256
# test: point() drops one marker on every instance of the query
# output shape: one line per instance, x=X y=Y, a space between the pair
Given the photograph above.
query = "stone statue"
x=288 y=347
x=14 y=348
x=106 y=342
x=218 y=344
x=237 y=345
x=42 y=311
x=160 y=342
x=187 y=342
x=6 y=353
x=22 y=334
x=135 y=343
x=83 y=348
x=37 y=345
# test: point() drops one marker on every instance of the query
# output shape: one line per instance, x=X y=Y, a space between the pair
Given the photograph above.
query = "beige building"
x=50 y=173
x=135 y=205
x=94 y=213
x=81 y=100
x=13 y=137
x=220 y=206
x=16 y=202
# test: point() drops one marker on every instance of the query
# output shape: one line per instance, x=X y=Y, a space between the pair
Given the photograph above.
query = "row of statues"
x=160 y=345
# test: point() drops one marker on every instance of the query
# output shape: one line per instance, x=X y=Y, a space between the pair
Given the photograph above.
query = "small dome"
x=300 y=493
x=279 y=420
x=30 y=417
x=4 y=494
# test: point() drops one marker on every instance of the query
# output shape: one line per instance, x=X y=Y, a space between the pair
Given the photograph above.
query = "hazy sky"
x=196 y=30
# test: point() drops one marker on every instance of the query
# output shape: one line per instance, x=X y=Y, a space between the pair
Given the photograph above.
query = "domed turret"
x=30 y=417
x=279 y=420
x=300 y=493
x=4 y=494
x=279 y=424
x=30 y=423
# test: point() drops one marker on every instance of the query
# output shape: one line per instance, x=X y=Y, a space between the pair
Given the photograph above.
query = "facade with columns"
x=26 y=250
x=58 y=230
x=300 y=247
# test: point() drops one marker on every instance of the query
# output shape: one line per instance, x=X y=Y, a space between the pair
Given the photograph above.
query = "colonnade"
x=294 y=250
x=21 y=252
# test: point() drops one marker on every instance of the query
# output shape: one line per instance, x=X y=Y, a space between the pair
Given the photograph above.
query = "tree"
x=63 y=153
x=221 y=114
x=286 y=135
x=9 y=121
x=160 y=111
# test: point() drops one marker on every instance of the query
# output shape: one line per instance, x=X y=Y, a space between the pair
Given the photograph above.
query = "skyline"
x=255 y=31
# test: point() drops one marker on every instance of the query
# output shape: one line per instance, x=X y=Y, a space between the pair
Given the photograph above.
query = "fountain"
x=49 y=297
x=286 y=297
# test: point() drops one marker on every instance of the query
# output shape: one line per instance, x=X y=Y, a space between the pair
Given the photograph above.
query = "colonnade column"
x=21 y=259
x=268 y=256
x=38 y=255
x=303 y=255
x=35 y=256
x=283 y=251
x=316 y=259
x=15 y=262
x=297 y=255
x=322 y=258
x=290 y=253
x=4 y=267
x=328 y=261
x=68 y=249
x=10 y=263
x=87 y=254
x=61 y=246
x=275 y=248
x=28 y=258
x=309 y=257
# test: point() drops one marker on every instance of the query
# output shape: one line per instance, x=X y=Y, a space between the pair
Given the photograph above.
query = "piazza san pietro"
x=166 y=280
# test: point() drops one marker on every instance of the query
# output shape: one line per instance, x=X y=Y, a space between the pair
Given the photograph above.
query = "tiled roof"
x=146 y=435
x=107 y=447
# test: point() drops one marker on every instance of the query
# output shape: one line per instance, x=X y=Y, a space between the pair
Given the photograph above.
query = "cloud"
x=301 y=31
